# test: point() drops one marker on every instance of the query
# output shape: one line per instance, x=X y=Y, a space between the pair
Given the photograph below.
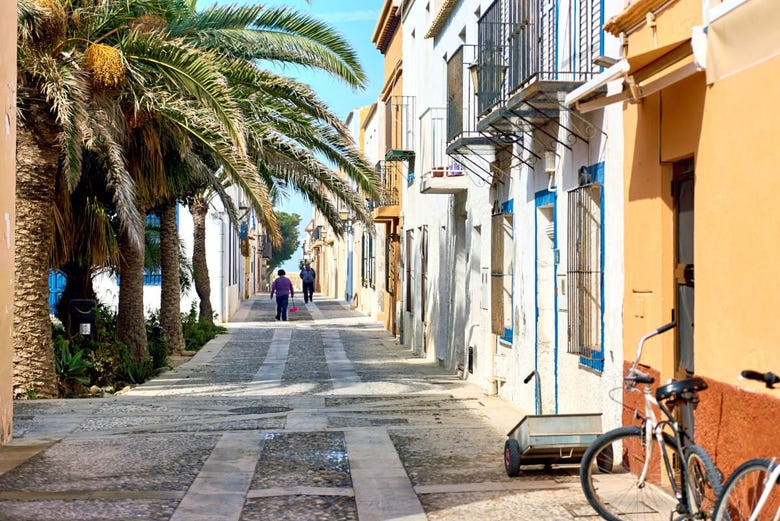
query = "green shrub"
x=102 y=349
x=137 y=372
x=71 y=365
x=197 y=333
x=158 y=347
x=103 y=360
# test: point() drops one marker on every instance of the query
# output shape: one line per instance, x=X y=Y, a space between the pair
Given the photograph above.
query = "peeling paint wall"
x=7 y=182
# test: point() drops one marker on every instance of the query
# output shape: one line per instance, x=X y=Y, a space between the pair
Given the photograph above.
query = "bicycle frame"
x=653 y=432
x=653 y=429
x=770 y=479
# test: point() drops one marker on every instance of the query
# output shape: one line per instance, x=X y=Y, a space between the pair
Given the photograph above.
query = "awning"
x=635 y=71
x=741 y=35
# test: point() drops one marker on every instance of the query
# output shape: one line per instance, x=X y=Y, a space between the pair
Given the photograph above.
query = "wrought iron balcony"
x=466 y=147
x=389 y=173
x=518 y=47
x=432 y=140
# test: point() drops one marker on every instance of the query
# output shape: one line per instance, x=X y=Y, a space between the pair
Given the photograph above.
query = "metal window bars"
x=584 y=271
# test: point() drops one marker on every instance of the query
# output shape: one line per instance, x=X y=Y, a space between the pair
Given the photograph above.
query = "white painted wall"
x=563 y=381
x=225 y=296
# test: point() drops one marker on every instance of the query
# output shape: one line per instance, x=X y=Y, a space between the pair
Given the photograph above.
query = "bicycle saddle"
x=680 y=389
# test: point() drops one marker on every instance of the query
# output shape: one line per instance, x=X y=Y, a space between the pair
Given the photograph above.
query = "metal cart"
x=549 y=438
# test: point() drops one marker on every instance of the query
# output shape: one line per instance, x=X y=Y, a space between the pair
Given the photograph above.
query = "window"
x=502 y=272
x=590 y=45
x=391 y=260
x=585 y=273
x=368 y=260
x=409 y=259
x=153 y=276
x=57 y=283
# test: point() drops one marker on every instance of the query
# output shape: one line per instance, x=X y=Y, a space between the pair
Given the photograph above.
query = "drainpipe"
x=350 y=254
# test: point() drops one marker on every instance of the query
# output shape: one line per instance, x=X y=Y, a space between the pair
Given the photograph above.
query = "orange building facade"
x=7 y=188
x=397 y=118
x=702 y=205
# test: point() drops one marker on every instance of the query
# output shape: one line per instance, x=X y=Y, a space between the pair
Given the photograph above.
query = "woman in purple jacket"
x=283 y=289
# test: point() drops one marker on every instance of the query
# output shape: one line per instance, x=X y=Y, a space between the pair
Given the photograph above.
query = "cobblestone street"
x=323 y=417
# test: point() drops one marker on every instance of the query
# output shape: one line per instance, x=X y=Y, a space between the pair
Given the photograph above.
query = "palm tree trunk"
x=36 y=175
x=200 y=268
x=170 y=299
x=131 y=323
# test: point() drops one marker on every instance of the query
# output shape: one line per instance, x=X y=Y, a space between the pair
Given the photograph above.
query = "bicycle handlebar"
x=769 y=379
x=665 y=328
x=657 y=331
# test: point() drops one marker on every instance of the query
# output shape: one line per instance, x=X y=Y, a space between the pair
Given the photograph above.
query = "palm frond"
x=277 y=34
x=209 y=136
x=185 y=69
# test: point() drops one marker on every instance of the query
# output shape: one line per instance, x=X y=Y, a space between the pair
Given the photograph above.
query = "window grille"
x=390 y=263
x=501 y=274
x=590 y=21
x=367 y=267
x=409 y=261
x=153 y=276
x=423 y=270
x=585 y=271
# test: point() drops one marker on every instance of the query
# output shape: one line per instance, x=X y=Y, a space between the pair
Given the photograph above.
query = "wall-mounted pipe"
x=527 y=379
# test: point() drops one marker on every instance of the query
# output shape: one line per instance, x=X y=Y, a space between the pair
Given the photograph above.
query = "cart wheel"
x=605 y=460
x=512 y=457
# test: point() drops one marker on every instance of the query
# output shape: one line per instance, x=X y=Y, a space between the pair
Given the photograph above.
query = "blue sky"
x=355 y=19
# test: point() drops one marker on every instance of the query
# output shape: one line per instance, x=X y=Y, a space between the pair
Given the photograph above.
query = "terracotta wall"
x=735 y=424
x=7 y=184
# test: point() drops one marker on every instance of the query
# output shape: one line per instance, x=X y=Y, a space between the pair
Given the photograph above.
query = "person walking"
x=282 y=287
x=307 y=277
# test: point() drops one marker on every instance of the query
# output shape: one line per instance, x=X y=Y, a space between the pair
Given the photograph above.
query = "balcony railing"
x=399 y=123
x=461 y=107
x=389 y=173
x=518 y=44
x=432 y=140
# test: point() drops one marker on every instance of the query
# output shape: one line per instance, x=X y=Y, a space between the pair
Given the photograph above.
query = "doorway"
x=683 y=193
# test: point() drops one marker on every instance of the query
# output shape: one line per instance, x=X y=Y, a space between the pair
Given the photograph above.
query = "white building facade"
x=512 y=240
x=233 y=272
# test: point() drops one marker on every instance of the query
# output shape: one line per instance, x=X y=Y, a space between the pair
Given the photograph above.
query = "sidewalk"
x=322 y=417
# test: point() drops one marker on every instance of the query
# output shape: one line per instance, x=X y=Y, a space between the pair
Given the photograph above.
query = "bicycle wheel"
x=610 y=471
x=742 y=491
x=706 y=482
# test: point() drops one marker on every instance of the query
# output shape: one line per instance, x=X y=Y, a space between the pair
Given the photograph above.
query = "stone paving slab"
x=323 y=417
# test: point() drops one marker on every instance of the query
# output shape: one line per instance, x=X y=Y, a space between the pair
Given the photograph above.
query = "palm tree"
x=287 y=125
x=58 y=120
x=116 y=76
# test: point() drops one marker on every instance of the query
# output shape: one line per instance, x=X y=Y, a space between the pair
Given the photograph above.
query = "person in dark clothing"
x=307 y=278
x=283 y=289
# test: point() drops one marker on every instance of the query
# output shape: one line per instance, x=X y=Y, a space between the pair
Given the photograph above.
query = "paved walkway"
x=323 y=417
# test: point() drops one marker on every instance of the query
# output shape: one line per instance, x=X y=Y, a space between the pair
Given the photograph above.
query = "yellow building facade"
x=393 y=169
x=7 y=188
x=702 y=205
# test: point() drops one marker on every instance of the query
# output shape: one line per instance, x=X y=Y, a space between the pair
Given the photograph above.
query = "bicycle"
x=630 y=487
x=752 y=492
